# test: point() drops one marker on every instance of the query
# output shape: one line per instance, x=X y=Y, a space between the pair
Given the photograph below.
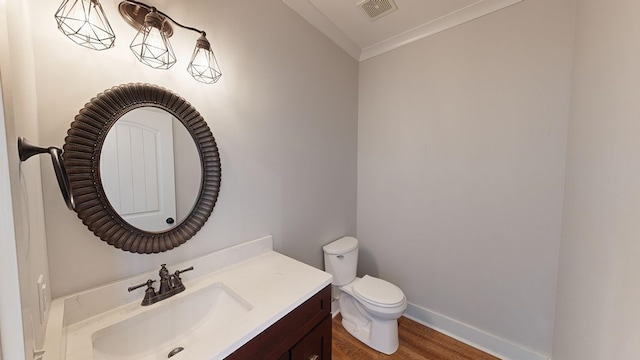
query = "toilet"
x=370 y=307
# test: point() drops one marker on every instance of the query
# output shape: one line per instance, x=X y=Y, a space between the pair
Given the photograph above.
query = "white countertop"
x=271 y=283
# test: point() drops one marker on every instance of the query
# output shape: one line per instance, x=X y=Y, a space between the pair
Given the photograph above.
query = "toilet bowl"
x=370 y=307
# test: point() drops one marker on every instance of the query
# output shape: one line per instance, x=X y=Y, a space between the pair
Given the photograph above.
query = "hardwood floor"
x=417 y=342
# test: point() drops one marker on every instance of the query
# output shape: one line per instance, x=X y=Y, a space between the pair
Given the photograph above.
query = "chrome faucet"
x=170 y=284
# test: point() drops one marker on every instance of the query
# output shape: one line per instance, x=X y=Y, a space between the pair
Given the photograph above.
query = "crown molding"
x=473 y=11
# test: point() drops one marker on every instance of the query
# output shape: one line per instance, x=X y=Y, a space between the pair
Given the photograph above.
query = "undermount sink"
x=167 y=326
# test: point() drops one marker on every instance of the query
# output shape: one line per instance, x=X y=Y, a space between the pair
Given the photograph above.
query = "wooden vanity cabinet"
x=303 y=334
x=316 y=345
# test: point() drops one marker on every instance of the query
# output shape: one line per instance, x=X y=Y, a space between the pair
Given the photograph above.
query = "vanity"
x=243 y=302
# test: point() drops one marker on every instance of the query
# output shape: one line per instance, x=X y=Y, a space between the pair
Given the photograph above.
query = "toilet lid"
x=341 y=246
x=378 y=292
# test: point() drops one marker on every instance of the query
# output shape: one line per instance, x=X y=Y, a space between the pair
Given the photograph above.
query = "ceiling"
x=344 y=22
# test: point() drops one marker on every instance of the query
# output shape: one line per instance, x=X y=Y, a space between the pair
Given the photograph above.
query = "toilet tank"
x=341 y=260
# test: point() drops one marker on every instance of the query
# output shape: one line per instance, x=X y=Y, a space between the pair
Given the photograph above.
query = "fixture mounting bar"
x=136 y=19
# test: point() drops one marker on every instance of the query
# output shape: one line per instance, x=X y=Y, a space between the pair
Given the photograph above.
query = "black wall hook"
x=27 y=150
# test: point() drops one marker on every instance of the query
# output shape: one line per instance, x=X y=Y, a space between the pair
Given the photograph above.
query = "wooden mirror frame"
x=82 y=148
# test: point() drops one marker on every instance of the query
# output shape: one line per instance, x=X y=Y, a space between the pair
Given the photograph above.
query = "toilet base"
x=378 y=334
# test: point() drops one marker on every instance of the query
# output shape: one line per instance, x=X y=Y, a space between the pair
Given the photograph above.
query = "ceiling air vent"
x=376 y=9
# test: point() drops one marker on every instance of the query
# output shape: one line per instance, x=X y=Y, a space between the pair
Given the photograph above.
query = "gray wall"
x=598 y=312
x=284 y=115
x=461 y=154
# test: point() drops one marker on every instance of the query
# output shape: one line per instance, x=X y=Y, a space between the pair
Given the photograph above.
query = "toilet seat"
x=378 y=292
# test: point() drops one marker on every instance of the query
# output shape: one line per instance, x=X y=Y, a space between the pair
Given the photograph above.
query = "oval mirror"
x=143 y=166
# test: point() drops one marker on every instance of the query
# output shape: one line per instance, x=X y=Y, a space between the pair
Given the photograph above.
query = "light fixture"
x=204 y=66
x=84 y=22
x=151 y=45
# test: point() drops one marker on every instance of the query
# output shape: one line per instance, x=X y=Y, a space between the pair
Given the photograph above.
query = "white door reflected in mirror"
x=137 y=167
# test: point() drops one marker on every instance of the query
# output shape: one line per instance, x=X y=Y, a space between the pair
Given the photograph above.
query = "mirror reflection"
x=150 y=169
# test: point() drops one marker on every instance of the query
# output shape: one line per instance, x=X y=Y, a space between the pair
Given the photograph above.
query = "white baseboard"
x=469 y=335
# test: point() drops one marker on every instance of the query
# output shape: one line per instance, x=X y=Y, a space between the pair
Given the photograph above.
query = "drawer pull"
x=314 y=357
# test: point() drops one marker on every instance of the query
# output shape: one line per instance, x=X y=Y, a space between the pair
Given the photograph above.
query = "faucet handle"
x=176 y=281
x=178 y=272
x=148 y=283
x=149 y=293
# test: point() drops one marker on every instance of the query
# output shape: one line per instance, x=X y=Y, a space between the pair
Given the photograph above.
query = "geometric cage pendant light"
x=151 y=44
x=84 y=22
x=203 y=65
